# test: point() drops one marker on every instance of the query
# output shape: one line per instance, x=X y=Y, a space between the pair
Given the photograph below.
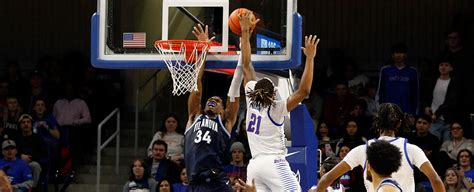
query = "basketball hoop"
x=184 y=59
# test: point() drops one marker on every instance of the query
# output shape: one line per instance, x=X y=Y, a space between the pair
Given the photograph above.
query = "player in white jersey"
x=265 y=115
x=390 y=119
x=383 y=159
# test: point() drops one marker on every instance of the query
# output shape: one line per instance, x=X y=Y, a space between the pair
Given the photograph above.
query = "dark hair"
x=345 y=83
x=160 y=142
x=399 y=48
x=263 y=94
x=464 y=150
x=454 y=30
x=383 y=157
x=146 y=173
x=169 y=182
x=361 y=103
x=329 y=163
x=178 y=125
x=425 y=117
x=318 y=135
x=346 y=123
x=343 y=144
x=446 y=59
x=457 y=122
x=390 y=117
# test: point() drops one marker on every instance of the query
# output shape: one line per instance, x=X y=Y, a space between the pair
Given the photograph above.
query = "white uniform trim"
x=412 y=154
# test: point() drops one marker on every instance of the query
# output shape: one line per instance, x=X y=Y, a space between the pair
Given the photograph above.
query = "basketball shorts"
x=272 y=173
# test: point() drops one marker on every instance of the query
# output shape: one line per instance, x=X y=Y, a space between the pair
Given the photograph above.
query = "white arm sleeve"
x=234 y=89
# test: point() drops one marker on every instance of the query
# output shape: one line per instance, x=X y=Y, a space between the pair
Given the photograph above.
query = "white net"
x=184 y=60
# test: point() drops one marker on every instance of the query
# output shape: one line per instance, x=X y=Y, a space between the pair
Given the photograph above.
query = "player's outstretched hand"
x=310 y=45
x=241 y=186
x=202 y=34
x=247 y=21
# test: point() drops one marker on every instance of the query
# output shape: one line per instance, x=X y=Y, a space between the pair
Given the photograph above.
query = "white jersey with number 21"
x=264 y=126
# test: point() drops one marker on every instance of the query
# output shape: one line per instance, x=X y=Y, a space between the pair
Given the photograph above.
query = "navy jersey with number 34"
x=204 y=146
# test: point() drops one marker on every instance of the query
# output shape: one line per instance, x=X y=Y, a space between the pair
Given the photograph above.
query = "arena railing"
x=100 y=146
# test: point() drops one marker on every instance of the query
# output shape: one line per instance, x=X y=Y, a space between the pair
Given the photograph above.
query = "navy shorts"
x=217 y=182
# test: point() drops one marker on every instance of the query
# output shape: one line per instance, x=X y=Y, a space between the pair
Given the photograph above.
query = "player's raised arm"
x=194 y=100
x=310 y=49
x=246 y=24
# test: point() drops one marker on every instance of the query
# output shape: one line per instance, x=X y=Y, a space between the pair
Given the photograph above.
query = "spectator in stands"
x=36 y=90
x=370 y=99
x=241 y=136
x=159 y=167
x=139 y=178
x=352 y=180
x=345 y=179
x=17 y=169
x=356 y=82
x=450 y=149
x=165 y=186
x=442 y=100
x=351 y=137
x=364 y=122
x=463 y=70
x=73 y=117
x=171 y=133
x=183 y=185
x=337 y=107
x=398 y=82
x=326 y=145
x=453 y=181
x=464 y=166
x=45 y=125
x=326 y=166
x=315 y=103
x=31 y=147
x=13 y=113
x=7 y=134
x=237 y=169
x=429 y=144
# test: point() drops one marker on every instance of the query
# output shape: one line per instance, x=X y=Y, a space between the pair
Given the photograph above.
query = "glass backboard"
x=124 y=32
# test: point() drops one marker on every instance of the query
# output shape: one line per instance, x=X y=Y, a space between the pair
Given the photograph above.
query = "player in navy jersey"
x=208 y=132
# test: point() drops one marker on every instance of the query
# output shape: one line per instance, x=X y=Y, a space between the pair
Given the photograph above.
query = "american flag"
x=134 y=40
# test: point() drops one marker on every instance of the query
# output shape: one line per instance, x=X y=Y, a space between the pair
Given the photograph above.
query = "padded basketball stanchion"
x=302 y=155
x=184 y=59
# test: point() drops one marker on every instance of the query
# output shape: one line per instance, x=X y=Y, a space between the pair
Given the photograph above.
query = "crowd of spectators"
x=438 y=110
x=54 y=106
x=343 y=108
x=48 y=110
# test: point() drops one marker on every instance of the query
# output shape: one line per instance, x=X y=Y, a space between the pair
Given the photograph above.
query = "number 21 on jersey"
x=254 y=123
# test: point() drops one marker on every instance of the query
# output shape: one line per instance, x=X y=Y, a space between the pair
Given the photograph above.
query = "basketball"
x=234 y=23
